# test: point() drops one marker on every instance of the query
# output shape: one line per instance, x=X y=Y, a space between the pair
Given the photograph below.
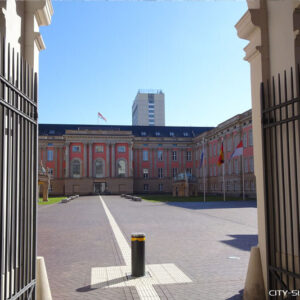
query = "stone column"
x=84 y=160
x=113 y=161
x=107 y=160
x=67 y=160
x=90 y=160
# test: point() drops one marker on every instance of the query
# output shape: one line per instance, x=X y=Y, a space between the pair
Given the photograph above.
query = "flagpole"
x=243 y=176
x=224 y=180
x=203 y=173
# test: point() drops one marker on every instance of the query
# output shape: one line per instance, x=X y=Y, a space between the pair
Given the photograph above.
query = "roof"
x=138 y=131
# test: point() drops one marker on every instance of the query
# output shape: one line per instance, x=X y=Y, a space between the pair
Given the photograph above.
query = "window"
x=215 y=149
x=146 y=173
x=188 y=155
x=157 y=133
x=172 y=133
x=245 y=140
x=251 y=165
x=160 y=187
x=150 y=98
x=50 y=155
x=99 y=168
x=121 y=149
x=50 y=188
x=236 y=140
x=50 y=171
x=75 y=168
x=121 y=168
x=99 y=149
x=160 y=172
x=252 y=185
x=76 y=149
x=189 y=171
x=50 y=144
x=174 y=172
x=51 y=131
x=246 y=165
x=174 y=155
x=236 y=166
x=143 y=133
x=146 y=187
x=145 y=155
x=185 y=134
x=250 y=138
x=160 y=155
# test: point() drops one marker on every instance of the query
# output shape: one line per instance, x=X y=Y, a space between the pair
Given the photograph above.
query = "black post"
x=138 y=254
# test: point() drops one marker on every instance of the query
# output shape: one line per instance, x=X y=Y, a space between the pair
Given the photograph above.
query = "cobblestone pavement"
x=209 y=242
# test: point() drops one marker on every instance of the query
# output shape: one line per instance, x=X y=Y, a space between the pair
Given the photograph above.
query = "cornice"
x=39 y=41
x=44 y=13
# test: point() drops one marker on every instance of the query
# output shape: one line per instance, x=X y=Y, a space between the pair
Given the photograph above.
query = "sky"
x=99 y=53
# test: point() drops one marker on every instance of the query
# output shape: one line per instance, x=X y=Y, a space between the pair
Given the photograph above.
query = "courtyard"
x=194 y=250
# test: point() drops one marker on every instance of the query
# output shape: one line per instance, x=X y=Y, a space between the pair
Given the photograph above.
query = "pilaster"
x=90 y=160
x=84 y=159
x=67 y=159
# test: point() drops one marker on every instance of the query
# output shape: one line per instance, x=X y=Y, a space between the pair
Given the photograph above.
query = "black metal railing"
x=18 y=175
x=281 y=145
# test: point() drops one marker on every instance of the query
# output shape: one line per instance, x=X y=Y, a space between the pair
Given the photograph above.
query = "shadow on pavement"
x=242 y=241
x=101 y=285
x=238 y=296
x=214 y=205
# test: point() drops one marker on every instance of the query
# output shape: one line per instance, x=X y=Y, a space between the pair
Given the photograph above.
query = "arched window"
x=99 y=168
x=121 y=166
x=75 y=168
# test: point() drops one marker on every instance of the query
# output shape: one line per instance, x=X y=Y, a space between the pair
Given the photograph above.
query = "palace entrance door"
x=99 y=187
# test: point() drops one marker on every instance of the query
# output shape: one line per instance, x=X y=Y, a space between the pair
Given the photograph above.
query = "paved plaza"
x=193 y=250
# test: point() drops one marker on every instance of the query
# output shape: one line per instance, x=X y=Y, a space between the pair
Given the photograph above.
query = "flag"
x=221 y=156
x=201 y=159
x=238 y=150
x=100 y=116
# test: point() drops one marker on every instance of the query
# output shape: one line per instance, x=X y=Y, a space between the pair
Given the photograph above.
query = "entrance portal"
x=99 y=187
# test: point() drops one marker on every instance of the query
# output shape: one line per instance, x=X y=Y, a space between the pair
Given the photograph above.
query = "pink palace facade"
x=92 y=159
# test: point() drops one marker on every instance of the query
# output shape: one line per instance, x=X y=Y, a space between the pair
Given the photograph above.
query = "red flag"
x=221 y=156
x=100 y=116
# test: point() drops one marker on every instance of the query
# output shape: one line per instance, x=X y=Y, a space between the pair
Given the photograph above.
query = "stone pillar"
x=67 y=160
x=90 y=160
x=107 y=160
x=84 y=160
x=113 y=161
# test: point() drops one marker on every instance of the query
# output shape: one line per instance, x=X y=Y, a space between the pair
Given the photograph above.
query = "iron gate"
x=281 y=132
x=18 y=175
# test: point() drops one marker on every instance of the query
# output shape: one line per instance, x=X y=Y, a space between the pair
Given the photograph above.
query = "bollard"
x=138 y=254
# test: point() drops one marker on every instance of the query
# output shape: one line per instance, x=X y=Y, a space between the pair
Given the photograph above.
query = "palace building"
x=88 y=159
